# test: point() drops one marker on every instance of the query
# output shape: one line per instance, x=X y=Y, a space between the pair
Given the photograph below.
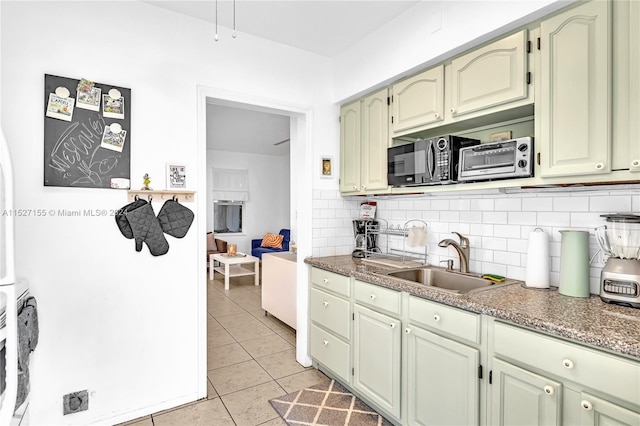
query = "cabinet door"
x=376 y=350
x=626 y=85
x=575 y=99
x=442 y=377
x=350 y=147
x=418 y=100
x=596 y=411
x=490 y=76
x=374 y=142
x=520 y=397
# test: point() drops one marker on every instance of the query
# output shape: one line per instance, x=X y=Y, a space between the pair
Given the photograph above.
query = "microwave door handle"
x=431 y=159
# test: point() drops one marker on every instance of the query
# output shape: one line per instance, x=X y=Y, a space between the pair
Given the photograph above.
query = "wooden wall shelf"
x=161 y=195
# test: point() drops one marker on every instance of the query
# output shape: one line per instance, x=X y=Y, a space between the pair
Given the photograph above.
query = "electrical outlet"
x=602 y=258
x=75 y=402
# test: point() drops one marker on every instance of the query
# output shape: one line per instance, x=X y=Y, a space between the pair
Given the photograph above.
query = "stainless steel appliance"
x=620 y=277
x=499 y=160
x=426 y=161
x=365 y=242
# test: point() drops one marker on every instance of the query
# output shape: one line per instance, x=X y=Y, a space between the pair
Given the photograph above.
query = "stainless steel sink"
x=441 y=279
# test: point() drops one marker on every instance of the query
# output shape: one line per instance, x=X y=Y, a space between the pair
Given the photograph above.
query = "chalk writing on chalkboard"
x=75 y=153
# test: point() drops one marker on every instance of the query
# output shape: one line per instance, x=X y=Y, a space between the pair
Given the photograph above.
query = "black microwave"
x=426 y=161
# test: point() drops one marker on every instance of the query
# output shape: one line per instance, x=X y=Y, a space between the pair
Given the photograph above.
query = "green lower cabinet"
x=595 y=411
x=520 y=397
x=442 y=380
x=376 y=358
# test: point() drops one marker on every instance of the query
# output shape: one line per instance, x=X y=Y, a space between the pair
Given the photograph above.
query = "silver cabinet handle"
x=599 y=166
x=436 y=317
x=548 y=390
x=407 y=330
x=325 y=304
x=372 y=297
x=392 y=325
x=567 y=363
x=452 y=110
x=325 y=342
x=436 y=115
x=635 y=163
x=326 y=280
x=586 y=405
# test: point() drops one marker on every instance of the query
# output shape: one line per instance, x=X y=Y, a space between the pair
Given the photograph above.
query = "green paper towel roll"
x=574 y=263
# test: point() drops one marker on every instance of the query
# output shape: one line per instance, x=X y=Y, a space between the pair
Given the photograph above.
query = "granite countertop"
x=585 y=320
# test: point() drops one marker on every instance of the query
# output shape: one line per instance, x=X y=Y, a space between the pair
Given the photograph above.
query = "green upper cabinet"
x=575 y=92
x=350 y=128
x=626 y=86
x=375 y=141
x=489 y=76
x=418 y=101
x=364 y=138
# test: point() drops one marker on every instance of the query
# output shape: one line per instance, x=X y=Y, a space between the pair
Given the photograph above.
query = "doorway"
x=300 y=206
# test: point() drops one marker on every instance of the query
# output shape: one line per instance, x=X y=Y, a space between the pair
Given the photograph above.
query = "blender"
x=619 y=239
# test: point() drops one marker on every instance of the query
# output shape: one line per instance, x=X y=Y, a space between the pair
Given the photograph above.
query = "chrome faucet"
x=462 y=249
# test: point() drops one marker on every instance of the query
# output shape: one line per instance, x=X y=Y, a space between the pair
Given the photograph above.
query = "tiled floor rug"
x=327 y=404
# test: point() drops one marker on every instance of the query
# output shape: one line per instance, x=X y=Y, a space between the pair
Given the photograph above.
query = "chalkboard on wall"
x=79 y=147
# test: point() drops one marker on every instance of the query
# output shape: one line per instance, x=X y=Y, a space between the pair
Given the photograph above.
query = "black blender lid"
x=622 y=217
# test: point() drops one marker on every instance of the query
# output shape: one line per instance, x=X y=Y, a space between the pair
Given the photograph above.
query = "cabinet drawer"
x=378 y=297
x=330 y=351
x=330 y=281
x=330 y=312
x=604 y=372
x=445 y=319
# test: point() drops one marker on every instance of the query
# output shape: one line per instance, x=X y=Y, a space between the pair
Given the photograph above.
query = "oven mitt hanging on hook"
x=146 y=228
x=175 y=219
x=121 y=219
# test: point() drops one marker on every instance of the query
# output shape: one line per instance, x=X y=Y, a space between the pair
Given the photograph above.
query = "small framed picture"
x=327 y=167
x=176 y=176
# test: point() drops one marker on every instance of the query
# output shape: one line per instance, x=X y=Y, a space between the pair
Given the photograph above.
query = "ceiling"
x=326 y=28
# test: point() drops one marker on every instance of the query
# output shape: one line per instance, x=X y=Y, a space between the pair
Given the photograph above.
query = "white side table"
x=234 y=266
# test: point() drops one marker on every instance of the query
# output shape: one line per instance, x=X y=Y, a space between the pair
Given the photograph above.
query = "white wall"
x=125 y=325
x=268 y=207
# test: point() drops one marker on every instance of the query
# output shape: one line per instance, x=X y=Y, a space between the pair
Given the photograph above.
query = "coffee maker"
x=365 y=240
x=620 y=240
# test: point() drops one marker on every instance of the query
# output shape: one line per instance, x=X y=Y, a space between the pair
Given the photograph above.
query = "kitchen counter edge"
x=588 y=321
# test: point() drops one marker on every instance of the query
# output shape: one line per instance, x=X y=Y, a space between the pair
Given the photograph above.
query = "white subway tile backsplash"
x=497 y=225
x=610 y=204
x=494 y=217
x=508 y=204
x=493 y=243
x=554 y=219
x=507 y=231
x=481 y=229
x=537 y=204
x=571 y=204
x=460 y=204
x=471 y=216
x=521 y=218
x=480 y=204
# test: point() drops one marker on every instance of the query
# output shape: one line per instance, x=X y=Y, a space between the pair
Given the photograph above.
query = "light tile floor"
x=251 y=359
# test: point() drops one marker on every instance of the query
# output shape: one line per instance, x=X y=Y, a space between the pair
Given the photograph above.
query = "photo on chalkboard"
x=88 y=95
x=60 y=108
x=113 y=141
x=112 y=108
x=176 y=176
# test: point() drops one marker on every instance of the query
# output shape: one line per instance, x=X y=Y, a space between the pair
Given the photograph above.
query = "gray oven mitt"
x=121 y=219
x=146 y=228
x=175 y=219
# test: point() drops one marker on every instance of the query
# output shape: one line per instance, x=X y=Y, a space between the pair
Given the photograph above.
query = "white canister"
x=538 y=259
